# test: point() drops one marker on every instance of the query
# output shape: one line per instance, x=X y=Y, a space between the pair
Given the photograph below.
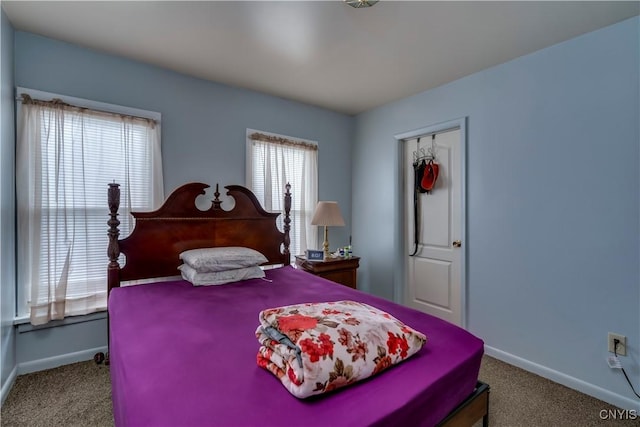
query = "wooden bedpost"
x=113 y=250
x=287 y=222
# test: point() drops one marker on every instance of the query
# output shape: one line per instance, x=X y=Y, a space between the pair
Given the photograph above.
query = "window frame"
x=22 y=291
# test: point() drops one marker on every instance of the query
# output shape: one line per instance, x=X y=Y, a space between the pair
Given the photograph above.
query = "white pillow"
x=206 y=260
x=220 y=277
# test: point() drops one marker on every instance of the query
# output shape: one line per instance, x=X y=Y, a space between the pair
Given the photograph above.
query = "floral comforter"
x=315 y=348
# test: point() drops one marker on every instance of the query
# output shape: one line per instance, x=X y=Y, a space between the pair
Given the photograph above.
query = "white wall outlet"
x=622 y=345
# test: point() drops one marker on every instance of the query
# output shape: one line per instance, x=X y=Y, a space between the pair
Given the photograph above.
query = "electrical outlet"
x=622 y=345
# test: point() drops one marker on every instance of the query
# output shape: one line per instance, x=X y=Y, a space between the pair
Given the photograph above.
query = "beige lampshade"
x=328 y=214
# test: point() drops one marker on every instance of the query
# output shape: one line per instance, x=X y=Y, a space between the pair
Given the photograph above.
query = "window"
x=65 y=158
x=272 y=162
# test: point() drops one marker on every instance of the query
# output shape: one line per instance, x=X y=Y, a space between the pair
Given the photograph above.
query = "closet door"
x=434 y=273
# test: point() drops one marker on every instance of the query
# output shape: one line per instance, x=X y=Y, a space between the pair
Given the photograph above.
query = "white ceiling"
x=323 y=53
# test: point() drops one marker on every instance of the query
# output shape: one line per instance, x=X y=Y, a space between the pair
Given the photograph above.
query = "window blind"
x=106 y=154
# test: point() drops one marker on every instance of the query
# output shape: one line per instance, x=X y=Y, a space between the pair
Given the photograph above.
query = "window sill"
x=23 y=324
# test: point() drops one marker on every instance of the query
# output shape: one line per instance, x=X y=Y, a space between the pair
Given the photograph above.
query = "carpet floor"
x=80 y=395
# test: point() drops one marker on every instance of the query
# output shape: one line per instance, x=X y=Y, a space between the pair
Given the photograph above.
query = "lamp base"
x=325 y=245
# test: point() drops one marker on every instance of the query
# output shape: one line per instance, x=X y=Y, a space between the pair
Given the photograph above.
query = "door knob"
x=457 y=243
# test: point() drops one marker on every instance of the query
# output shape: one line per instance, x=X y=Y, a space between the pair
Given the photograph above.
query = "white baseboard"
x=54 y=362
x=564 y=379
x=6 y=387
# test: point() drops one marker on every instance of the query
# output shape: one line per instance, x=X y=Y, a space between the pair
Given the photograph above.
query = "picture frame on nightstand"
x=313 y=255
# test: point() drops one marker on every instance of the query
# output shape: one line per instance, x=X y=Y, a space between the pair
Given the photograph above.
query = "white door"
x=434 y=274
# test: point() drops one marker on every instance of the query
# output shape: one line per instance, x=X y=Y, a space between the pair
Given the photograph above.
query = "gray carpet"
x=72 y=395
x=521 y=399
x=517 y=399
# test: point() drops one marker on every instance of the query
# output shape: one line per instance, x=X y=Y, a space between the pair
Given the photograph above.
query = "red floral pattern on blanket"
x=338 y=344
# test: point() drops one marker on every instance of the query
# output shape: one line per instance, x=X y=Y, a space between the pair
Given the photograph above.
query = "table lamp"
x=328 y=215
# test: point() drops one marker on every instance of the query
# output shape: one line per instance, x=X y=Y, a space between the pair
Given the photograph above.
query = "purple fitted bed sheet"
x=186 y=356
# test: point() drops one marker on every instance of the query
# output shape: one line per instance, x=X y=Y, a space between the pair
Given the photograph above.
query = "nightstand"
x=340 y=270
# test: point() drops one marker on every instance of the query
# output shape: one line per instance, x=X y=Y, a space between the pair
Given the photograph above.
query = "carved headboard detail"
x=157 y=239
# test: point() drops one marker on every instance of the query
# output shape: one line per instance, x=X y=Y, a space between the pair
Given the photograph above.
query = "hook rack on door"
x=428 y=153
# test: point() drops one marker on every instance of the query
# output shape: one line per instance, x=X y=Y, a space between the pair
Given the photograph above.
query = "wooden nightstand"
x=340 y=270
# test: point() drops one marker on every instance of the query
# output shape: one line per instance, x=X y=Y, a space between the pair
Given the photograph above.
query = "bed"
x=184 y=355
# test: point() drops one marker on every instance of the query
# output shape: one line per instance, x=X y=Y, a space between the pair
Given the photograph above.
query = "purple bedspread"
x=186 y=356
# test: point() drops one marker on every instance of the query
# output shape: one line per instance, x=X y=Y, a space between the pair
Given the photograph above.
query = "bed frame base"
x=473 y=408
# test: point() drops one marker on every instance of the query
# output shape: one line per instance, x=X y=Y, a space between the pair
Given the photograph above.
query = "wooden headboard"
x=152 y=249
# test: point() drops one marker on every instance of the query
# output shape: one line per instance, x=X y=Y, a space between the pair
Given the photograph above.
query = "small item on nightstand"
x=313 y=255
x=347 y=251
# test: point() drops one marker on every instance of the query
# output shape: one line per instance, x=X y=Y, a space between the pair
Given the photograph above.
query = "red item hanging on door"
x=429 y=176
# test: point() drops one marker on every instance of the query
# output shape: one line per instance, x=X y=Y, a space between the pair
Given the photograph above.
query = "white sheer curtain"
x=274 y=161
x=65 y=157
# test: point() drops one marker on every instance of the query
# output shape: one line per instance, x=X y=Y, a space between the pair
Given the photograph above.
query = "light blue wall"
x=203 y=131
x=552 y=205
x=7 y=212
